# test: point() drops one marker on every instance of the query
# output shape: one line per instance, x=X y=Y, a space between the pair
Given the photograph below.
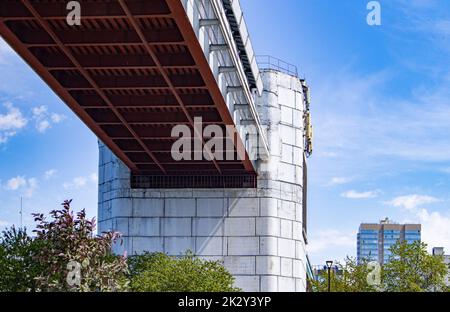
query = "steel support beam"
x=11 y=38
x=44 y=24
x=169 y=82
x=189 y=35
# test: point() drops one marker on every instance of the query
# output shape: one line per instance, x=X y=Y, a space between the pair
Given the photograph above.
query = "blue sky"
x=381 y=111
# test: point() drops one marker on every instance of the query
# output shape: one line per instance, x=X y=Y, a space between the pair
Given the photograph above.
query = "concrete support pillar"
x=257 y=233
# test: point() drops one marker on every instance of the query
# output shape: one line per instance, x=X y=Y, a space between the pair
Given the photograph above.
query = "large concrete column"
x=257 y=233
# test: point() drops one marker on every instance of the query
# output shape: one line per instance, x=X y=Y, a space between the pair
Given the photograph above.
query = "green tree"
x=412 y=269
x=73 y=258
x=159 y=272
x=18 y=268
x=66 y=255
x=350 y=277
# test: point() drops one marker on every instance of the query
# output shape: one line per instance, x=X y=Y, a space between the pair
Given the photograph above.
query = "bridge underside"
x=131 y=71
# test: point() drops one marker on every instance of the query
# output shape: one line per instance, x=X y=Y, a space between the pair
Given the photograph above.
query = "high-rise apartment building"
x=376 y=239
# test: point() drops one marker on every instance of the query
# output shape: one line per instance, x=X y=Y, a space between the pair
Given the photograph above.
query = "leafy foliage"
x=42 y=263
x=66 y=255
x=410 y=269
x=67 y=239
x=350 y=277
x=18 y=268
x=159 y=272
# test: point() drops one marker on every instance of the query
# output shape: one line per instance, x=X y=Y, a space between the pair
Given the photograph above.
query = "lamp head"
x=329 y=264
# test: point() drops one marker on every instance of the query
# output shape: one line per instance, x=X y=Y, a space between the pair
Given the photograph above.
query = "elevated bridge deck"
x=131 y=71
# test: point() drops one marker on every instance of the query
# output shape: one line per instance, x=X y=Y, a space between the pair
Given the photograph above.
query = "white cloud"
x=13 y=119
x=76 y=183
x=32 y=185
x=435 y=225
x=42 y=126
x=82 y=181
x=427 y=20
x=339 y=181
x=411 y=202
x=443 y=27
x=22 y=184
x=14 y=184
x=11 y=122
x=360 y=195
x=50 y=174
x=44 y=119
x=94 y=177
x=435 y=229
x=4 y=137
x=79 y=182
x=327 y=239
x=39 y=111
x=57 y=118
x=4 y=223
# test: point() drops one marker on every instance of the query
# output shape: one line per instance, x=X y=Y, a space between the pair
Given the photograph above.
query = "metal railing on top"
x=270 y=62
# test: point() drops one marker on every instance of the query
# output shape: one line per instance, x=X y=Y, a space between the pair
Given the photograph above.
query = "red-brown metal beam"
x=128 y=81
x=155 y=138
x=165 y=156
x=47 y=9
x=88 y=66
x=45 y=25
x=65 y=96
x=121 y=60
x=131 y=88
x=152 y=116
x=107 y=82
x=59 y=68
x=145 y=40
x=138 y=88
x=89 y=8
x=143 y=131
x=193 y=162
x=157 y=123
x=106 y=44
x=149 y=100
x=199 y=107
x=93 y=37
x=55 y=9
x=184 y=24
x=86 y=17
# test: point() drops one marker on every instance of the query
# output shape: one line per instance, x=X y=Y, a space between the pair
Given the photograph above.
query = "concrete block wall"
x=257 y=233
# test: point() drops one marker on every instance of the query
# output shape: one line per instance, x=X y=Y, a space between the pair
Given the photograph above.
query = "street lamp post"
x=329 y=265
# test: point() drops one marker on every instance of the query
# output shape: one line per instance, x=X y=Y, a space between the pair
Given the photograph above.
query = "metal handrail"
x=270 y=62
